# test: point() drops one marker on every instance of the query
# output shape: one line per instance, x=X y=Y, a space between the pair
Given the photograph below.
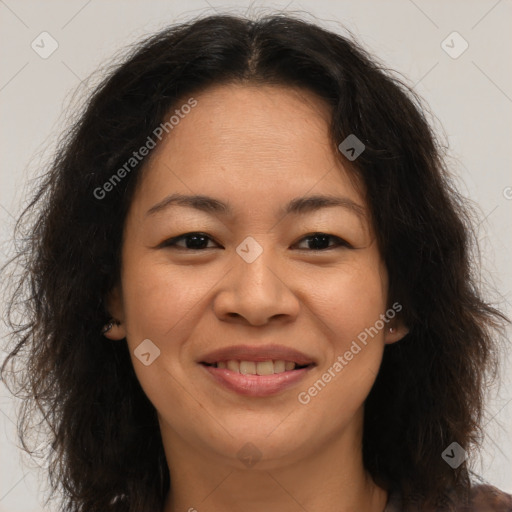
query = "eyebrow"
x=297 y=206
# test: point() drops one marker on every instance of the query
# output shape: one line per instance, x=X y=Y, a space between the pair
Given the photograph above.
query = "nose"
x=256 y=292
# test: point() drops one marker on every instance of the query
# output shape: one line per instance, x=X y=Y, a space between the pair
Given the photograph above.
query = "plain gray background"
x=470 y=95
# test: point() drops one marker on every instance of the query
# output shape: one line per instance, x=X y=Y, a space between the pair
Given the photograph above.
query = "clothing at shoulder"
x=484 y=498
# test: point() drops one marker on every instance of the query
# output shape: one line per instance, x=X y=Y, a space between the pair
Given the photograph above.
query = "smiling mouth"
x=269 y=367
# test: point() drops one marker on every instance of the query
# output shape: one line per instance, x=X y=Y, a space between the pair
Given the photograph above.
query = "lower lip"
x=256 y=385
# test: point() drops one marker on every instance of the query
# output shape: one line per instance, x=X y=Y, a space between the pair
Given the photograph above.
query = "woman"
x=249 y=285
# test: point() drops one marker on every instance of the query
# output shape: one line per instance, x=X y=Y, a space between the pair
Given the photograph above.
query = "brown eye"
x=320 y=242
x=193 y=242
x=197 y=241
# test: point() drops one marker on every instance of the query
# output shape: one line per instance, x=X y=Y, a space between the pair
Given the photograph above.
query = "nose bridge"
x=256 y=261
x=256 y=290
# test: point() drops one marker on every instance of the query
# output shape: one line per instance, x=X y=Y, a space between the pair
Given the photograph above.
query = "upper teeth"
x=257 y=368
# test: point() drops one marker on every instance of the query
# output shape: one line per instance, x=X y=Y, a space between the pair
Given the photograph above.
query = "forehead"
x=252 y=145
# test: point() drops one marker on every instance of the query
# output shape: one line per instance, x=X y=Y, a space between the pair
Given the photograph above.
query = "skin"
x=255 y=148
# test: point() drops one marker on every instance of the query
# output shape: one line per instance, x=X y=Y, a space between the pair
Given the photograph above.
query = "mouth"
x=256 y=370
x=269 y=367
x=256 y=378
x=246 y=355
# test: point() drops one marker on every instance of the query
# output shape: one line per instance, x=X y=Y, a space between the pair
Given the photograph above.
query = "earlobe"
x=114 y=329
x=395 y=331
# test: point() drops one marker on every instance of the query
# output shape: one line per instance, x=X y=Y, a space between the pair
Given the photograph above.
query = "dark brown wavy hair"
x=106 y=450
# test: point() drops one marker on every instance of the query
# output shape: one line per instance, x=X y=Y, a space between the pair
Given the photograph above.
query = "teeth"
x=279 y=366
x=257 y=368
x=247 y=368
x=234 y=366
x=265 y=368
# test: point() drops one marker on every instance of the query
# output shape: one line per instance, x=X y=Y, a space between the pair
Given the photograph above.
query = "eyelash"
x=171 y=242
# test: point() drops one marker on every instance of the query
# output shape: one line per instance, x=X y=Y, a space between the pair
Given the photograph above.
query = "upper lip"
x=257 y=353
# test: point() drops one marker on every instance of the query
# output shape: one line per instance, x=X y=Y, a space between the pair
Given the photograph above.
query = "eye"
x=197 y=241
x=193 y=241
x=320 y=241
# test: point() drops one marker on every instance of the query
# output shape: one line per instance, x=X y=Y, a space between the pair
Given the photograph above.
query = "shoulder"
x=482 y=498
x=489 y=498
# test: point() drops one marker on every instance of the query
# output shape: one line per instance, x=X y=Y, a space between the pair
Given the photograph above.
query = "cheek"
x=351 y=301
x=160 y=306
x=351 y=309
x=158 y=300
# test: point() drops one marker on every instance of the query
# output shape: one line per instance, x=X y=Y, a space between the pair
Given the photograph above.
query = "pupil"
x=195 y=241
x=325 y=238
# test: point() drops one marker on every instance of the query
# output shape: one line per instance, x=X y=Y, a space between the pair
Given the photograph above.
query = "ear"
x=395 y=330
x=116 y=309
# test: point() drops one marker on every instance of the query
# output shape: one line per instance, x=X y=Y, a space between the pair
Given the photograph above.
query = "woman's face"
x=254 y=280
